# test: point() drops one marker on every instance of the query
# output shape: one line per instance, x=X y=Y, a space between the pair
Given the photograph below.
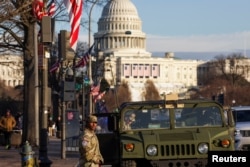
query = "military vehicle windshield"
x=182 y=117
x=146 y=118
x=200 y=116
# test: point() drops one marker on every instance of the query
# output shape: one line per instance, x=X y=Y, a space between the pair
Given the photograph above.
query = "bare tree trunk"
x=29 y=130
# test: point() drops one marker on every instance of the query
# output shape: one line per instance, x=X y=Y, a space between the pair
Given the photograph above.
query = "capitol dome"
x=120 y=8
x=120 y=30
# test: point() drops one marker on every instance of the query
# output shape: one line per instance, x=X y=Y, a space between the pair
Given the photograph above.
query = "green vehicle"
x=166 y=133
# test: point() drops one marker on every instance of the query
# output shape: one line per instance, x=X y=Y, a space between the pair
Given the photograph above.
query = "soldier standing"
x=90 y=155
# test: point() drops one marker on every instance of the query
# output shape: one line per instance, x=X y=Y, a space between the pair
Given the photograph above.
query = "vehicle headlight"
x=151 y=150
x=203 y=148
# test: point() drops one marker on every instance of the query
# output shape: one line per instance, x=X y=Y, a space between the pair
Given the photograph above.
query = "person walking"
x=90 y=155
x=58 y=127
x=7 y=123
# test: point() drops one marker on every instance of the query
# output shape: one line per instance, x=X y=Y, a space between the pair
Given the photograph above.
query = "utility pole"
x=44 y=95
x=36 y=87
x=90 y=63
x=67 y=82
x=43 y=157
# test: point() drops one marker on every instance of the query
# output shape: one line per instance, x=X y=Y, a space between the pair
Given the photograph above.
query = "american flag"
x=74 y=8
x=101 y=107
x=52 y=8
x=99 y=96
x=54 y=67
x=127 y=70
x=39 y=9
x=141 y=70
x=155 y=70
x=95 y=90
x=135 y=70
x=85 y=58
x=147 y=70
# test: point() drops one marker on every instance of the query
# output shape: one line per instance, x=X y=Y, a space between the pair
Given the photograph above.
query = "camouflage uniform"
x=90 y=155
x=128 y=122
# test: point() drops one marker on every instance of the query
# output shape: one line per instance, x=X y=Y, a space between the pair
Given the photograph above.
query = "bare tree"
x=17 y=36
x=232 y=68
x=114 y=98
x=227 y=75
x=151 y=92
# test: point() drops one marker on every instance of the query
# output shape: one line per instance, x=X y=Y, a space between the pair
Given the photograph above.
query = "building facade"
x=11 y=70
x=122 y=49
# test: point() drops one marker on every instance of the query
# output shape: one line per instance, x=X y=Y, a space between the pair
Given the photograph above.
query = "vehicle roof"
x=162 y=102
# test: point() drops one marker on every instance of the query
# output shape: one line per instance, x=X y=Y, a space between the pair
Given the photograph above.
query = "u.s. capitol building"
x=122 y=49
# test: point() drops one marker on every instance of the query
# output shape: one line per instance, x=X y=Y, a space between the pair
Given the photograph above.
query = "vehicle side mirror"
x=230 y=118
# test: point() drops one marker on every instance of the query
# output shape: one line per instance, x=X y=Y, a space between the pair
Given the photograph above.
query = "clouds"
x=200 y=43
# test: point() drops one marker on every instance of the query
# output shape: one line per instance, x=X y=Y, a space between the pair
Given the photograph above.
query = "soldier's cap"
x=91 y=119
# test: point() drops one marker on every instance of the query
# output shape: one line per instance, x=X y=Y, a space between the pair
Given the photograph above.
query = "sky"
x=193 y=25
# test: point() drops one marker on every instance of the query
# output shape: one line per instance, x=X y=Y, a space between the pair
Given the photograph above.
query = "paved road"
x=12 y=157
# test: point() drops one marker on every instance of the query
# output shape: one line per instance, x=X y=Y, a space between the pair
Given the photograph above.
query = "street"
x=12 y=157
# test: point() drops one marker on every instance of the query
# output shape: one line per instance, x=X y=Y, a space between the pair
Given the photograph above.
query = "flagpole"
x=90 y=60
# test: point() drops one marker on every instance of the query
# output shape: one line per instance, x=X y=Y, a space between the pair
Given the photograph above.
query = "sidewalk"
x=12 y=157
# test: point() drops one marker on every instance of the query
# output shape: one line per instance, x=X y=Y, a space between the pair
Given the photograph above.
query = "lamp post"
x=43 y=157
x=90 y=63
x=68 y=75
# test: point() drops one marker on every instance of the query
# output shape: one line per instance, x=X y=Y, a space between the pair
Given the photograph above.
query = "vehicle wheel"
x=128 y=163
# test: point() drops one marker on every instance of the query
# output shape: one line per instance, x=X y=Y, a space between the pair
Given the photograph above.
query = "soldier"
x=129 y=121
x=90 y=155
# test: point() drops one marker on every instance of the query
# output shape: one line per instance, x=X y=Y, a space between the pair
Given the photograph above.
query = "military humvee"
x=165 y=133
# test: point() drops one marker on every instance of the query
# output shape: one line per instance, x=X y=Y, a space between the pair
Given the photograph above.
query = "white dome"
x=119 y=14
x=119 y=19
x=119 y=7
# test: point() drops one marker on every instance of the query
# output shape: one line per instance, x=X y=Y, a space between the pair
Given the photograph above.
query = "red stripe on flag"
x=40 y=11
x=95 y=90
x=99 y=96
x=74 y=8
x=52 y=9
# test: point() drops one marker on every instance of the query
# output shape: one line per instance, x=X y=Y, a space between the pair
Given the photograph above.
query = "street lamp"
x=233 y=102
x=68 y=75
x=43 y=156
x=90 y=66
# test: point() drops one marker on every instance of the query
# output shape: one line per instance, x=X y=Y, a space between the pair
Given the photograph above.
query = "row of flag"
x=81 y=63
x=74 y=8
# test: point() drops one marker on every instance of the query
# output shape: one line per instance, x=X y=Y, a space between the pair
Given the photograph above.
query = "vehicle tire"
x=128 y=163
